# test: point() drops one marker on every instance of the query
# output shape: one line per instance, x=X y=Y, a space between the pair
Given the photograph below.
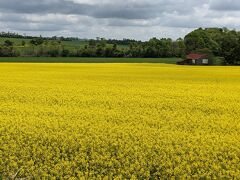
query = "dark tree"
x=8 y=43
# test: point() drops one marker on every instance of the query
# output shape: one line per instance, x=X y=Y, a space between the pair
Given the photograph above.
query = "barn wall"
x=199 y=62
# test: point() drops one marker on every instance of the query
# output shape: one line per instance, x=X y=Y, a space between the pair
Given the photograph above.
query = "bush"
x=53 y=53
x=65 y=53
x=6 y=51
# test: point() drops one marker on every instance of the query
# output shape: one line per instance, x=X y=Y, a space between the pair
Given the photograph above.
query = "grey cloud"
x=117 y=18
x=225 y=5
x=44 y=6
x=128 y=10
x=31 y=27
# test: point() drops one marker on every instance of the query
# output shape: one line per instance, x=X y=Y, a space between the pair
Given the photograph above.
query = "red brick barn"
x=196 y=59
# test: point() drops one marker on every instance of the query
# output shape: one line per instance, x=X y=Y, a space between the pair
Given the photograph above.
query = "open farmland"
x=119 y=121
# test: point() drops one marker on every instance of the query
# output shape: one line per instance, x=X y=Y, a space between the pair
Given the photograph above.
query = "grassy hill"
x=68 y=44
x=23 y=47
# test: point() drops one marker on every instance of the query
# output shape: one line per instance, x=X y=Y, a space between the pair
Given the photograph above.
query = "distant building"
x=196 y=59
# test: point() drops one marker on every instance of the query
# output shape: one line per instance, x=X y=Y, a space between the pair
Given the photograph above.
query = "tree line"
x=220 y=42
x=19 y=36
x=101 y=47
x=61 y=38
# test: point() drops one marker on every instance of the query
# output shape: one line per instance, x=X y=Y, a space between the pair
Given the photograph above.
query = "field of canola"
x=121 y=121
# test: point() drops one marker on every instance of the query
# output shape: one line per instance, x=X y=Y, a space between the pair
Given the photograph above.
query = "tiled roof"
x=196 y=56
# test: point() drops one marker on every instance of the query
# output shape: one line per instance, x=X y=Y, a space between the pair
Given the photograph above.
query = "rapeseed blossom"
x=119 y=121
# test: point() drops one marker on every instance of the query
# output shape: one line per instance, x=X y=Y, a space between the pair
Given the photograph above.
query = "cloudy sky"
x=138 y=19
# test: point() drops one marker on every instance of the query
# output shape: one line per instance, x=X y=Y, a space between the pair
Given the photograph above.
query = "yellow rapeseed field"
x=119 y=121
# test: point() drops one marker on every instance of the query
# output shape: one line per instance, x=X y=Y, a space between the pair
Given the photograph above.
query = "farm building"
x=196 y=59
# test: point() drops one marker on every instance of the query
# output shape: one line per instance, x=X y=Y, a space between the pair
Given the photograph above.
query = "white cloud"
x=140 y=19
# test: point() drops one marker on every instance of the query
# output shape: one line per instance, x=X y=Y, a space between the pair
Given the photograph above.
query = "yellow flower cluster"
x=119 y=121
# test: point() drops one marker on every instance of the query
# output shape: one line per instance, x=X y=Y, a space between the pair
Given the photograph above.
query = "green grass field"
x=87 y=60
x=18 y=42
x=67 y=44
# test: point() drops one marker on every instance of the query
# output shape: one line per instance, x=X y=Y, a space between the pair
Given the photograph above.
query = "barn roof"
x=196 y=56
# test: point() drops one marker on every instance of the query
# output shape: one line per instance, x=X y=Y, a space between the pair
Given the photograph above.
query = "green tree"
x=37 y=41
x=23 y=43
x=229 y=46
x=65 y=52
x=194 y=41
x=8 y=43
x=92 y=43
